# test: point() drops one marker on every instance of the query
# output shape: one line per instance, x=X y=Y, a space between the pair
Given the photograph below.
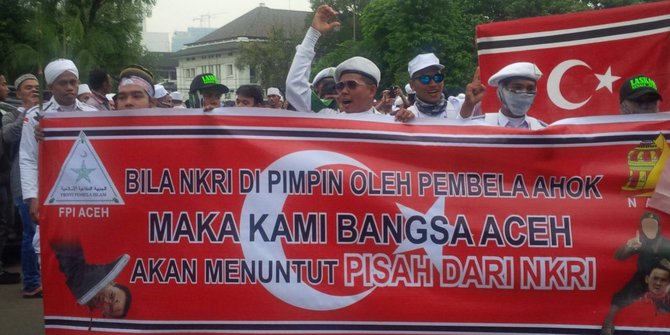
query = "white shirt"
x=499 y=119
x=450 y=112
x=298 y=90
x=28 y=153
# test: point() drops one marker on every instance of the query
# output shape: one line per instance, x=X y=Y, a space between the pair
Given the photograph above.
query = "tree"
x=394 y=31
x=93 y=33
x=269 y=59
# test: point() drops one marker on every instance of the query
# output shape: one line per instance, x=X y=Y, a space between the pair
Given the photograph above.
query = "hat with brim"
x=361 y=66
x=423 y=61
x=207 y=81
x=635 y=87
x=516 y=70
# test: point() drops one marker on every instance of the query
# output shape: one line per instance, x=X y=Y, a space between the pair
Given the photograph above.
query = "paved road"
x=19 y=316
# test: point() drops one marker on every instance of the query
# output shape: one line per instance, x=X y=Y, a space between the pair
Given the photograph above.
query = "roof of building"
x=207 y=49
x=258 y=24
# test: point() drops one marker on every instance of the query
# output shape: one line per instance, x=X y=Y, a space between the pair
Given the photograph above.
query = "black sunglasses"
x=350 y=84
x=426 y=78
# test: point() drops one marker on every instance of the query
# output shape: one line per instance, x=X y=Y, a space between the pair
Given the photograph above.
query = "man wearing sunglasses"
x=516 y=87
x=356 y=84
x=427 y=81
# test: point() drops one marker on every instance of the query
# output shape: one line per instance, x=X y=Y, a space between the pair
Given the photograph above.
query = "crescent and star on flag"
x=605 y=80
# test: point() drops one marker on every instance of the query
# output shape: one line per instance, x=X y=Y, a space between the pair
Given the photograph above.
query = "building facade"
x=216 y=52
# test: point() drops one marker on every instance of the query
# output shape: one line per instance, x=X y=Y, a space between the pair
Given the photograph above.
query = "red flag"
x=584 y=57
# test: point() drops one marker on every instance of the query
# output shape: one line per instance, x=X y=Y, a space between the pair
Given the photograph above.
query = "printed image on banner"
x=83 y=179
x=237 y=222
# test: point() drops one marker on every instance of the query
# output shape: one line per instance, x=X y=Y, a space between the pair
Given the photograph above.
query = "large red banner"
x=284 y=223
x=584 y=57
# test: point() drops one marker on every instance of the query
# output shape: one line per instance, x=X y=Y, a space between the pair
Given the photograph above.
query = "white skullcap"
x=273 y=91
x=160 y=91
x=58 y=67
x=176 y=96
x=423 y=61
x=83 y=88
x=359 y=65
x=521 y=69
x=409 y=90
x=323 y=74
x=22 y=78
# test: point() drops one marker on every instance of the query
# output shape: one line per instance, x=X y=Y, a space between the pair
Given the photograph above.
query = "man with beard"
x=651 y=248
x=27 y=89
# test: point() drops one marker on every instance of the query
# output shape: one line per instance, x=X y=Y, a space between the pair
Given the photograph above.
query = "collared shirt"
x=499 y=119
x=28 y=153
x=98 y=101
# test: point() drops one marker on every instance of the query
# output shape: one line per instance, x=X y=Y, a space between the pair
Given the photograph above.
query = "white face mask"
x=517 y=103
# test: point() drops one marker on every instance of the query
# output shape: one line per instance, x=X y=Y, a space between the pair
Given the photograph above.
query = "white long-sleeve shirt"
x=28 y=153
x=298 y=90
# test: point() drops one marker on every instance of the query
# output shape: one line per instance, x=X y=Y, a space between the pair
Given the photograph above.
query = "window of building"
x=229 y=70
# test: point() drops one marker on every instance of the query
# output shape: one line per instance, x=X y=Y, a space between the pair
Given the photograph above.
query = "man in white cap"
x=162 y=96
x=84 y=93
x=27 y=89
x=62 y=79
x=274 y=98
x=177 y=99
x=516 y=87
x=356 y=84
x=427 y=80
x=298 y=91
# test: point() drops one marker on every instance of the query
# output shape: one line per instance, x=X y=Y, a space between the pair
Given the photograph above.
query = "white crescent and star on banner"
x=432 y=249
x=605 y=80
x=298 y=294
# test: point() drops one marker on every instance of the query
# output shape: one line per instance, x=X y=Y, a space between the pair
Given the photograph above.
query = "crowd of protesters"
x=350 y=87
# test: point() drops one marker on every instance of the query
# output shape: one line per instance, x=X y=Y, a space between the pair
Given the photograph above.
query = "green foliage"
x=394 y=31
x=270 y=59
x=93 y=33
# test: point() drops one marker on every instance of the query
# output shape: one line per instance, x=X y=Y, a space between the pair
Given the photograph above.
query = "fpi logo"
x=83 y=179
x=645 y=164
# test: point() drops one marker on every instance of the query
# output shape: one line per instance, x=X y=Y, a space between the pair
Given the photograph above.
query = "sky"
x=176 y=15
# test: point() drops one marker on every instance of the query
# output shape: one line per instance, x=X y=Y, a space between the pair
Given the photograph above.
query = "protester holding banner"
x=298 y=91
x=136 y=89
x=27 y=89
x=517 y=87
x=100 y=84
x=206 y=91
x=651 y=249
x=639 y=95
x=62 y=79
x=427 y=80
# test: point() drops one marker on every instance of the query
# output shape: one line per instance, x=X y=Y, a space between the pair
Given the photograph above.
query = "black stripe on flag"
x=353 y=135
x=575 y=36
x=325 y=327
